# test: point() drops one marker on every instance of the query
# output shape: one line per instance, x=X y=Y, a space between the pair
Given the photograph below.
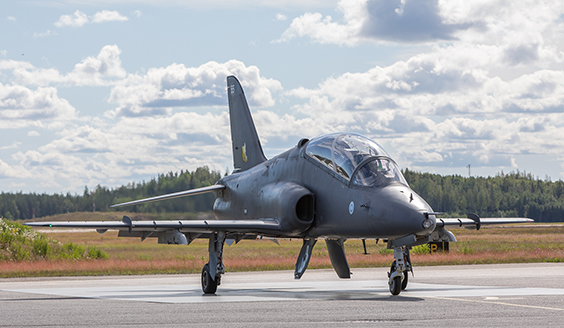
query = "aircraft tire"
x=405 y=276
x=395 y=287
x=209 y=285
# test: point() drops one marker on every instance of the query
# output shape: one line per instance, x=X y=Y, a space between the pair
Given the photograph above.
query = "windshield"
x=343 y=152
x=378 y=172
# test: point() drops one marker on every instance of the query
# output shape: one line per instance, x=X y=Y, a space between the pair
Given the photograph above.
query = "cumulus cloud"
x=108 y=16
x=110 y=154
x=488 y=88
x=17 y=171
x=101 y=70
x=111 y=151
x=411 y=21
x=450 y=106
x=79 y=19
x=377 y=20
x=94 y=70
x=20 y=106
x=179 y=86
x=521 y=33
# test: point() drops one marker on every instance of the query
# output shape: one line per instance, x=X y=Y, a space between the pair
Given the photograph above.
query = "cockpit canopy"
x=345 y=152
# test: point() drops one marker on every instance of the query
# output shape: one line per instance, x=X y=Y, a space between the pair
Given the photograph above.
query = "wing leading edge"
x=184 y=193
x=473 y=224
x=264 y=226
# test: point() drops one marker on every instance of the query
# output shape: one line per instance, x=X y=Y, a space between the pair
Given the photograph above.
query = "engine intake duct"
x=290 y=203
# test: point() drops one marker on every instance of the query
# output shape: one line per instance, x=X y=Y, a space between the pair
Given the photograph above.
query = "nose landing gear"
x=398 y=275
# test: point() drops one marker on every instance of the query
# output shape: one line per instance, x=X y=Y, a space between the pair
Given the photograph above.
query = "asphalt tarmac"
x=515 y=295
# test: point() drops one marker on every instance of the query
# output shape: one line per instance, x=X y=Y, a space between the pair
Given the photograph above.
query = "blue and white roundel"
x=351 y=208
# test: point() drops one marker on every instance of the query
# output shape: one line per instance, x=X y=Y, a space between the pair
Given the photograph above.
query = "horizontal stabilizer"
x=185 y=193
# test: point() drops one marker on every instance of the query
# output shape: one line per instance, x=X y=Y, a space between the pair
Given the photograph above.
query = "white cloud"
x=322 y=30
x=377 y=20
x=179 y=86
x=108 y=16
x=101 y=70
x=11 y=18
x=18 y=171
x=138 y=13
x=16 y=144
x=43 y=34
x=109 y=154
x=430 y=21
x=478 y=116
x=4 y=53
x=20 y=106
x=281 y=17
x=79 y=19
x=33 y=134
x=95 y=70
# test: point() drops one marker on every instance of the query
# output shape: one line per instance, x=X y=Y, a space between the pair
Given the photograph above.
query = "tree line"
x=516 y=194
x=20 y=206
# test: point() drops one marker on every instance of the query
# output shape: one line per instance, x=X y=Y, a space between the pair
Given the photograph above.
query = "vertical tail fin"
x=247 y=151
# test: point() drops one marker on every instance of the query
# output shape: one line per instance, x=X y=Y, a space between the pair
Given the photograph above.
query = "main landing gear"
x=212 y=271
x=399 y=270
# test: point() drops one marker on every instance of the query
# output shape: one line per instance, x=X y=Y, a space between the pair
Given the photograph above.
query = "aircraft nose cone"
x=401 y=212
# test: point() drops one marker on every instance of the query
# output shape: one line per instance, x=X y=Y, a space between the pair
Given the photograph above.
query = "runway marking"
x=288 y=291
x=501 y=303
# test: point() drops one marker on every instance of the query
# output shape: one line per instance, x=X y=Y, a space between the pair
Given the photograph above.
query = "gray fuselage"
x=341 y=209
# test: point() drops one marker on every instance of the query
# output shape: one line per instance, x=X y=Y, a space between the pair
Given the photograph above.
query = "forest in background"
x=516 y=194
x=20 y=206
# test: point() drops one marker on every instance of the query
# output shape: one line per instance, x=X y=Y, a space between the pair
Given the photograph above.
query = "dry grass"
x=537 y=243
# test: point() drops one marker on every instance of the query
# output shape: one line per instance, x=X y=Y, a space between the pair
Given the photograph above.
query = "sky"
x=113 y=92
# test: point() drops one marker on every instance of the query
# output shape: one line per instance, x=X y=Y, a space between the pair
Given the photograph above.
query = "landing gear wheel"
x=405 y=275
x=395 y=287
x=209 y=285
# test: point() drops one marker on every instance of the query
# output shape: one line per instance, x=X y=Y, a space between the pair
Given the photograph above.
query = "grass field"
x=507 y=244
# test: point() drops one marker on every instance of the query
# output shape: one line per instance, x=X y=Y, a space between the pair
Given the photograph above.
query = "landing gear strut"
x=399 y=270
x=212 y=271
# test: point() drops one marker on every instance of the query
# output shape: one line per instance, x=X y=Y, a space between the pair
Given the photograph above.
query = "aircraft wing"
x=474 y=222
x=264 y=226
x=143 y=229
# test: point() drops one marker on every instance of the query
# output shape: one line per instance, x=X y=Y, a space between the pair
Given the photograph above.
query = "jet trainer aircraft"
x=335 y=187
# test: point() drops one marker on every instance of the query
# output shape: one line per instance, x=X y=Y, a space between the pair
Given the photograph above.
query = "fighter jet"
x=334 y=187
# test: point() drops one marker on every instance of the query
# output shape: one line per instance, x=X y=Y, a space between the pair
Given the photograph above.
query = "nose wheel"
x=404 y=276
x=395 y=285
x=399 y=270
